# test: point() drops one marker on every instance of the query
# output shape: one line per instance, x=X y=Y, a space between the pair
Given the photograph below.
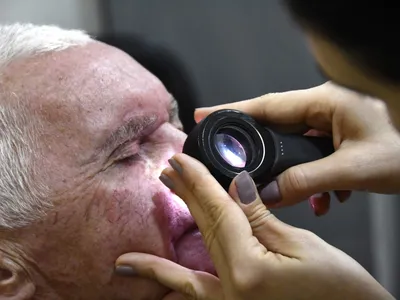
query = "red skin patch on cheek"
x=124 y=205
x=128 y=211
x=113 y=210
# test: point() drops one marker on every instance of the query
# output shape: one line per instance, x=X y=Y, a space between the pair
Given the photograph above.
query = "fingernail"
x=175 y=165
x=245 y=187
x=313 y=203
x=313 y=206
x=166 y=181
x=126 y=271
x=271 y=194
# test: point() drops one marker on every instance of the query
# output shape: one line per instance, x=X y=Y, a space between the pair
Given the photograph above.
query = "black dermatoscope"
x=228 y=142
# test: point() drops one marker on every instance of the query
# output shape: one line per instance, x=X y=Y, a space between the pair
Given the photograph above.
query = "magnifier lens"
x=230 y=150
x=229 y=141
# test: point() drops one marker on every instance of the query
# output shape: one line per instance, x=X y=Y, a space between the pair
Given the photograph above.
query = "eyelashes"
x=128 y=159
x=127 y=153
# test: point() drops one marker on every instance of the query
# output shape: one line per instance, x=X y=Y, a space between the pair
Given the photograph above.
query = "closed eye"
x=128 y=159
x=128 y=152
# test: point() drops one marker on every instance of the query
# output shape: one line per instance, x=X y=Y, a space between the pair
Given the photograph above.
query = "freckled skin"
x=102 y=209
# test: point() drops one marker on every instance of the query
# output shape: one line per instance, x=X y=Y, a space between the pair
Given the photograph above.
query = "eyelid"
x=125 y=150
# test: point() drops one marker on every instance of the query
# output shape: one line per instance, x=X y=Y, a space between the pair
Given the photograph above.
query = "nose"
x=174 y=137
x=169 y=141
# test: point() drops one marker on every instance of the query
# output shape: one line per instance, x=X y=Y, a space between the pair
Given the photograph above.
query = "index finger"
x=225 y=228
x=311 y=107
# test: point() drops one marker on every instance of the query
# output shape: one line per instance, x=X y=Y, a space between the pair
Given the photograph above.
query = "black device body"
x=229 y=141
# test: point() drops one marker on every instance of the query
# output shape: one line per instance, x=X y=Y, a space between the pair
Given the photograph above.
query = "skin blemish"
x=121 y=207
x=113 y=209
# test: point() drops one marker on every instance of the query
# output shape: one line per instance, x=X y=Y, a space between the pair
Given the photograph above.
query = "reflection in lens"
x=230 y=150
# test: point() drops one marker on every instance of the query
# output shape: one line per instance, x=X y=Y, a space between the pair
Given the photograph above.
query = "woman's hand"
x=256 y=256
x=367 y=156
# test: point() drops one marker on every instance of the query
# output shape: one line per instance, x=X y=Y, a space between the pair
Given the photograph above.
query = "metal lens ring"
x=228 y=142
x=233 y=144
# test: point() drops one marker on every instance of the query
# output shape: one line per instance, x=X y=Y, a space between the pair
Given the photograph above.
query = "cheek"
x=112 y=217
x=125 y=210
x=126 y=214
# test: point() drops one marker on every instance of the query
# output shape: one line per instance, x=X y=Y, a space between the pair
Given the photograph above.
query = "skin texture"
x=106 y=203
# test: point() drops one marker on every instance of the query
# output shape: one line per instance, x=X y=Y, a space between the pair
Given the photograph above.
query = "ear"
x=15 y=282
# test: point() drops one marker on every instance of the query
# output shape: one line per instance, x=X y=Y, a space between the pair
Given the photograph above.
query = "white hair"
x=24 y=40
x=22 y=196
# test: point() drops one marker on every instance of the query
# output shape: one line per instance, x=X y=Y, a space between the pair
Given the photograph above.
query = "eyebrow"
x=128 y=131
x=133 y=128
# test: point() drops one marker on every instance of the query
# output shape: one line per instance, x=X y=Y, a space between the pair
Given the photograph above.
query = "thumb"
x=184 y=282
x=297 y=107
x=298 y=183
x=274 y=234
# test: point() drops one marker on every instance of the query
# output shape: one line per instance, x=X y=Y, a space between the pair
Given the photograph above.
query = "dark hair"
x=367 y=32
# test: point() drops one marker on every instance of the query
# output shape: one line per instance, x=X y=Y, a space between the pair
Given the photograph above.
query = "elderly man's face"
x=109 y=128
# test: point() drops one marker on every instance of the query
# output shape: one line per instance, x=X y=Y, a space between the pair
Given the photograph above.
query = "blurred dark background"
x=209 y=53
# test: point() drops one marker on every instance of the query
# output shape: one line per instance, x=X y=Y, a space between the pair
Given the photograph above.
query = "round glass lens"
x=230 y=150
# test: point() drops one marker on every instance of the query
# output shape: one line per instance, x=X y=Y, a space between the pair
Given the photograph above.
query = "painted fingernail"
x=175 y=165
x=271 y=194
x=245 y=187
x=314 y=204
x=126 y=271
x=166 y=181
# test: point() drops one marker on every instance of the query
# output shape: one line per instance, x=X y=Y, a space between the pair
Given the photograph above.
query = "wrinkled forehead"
x=79 y=79
x=82 y=94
